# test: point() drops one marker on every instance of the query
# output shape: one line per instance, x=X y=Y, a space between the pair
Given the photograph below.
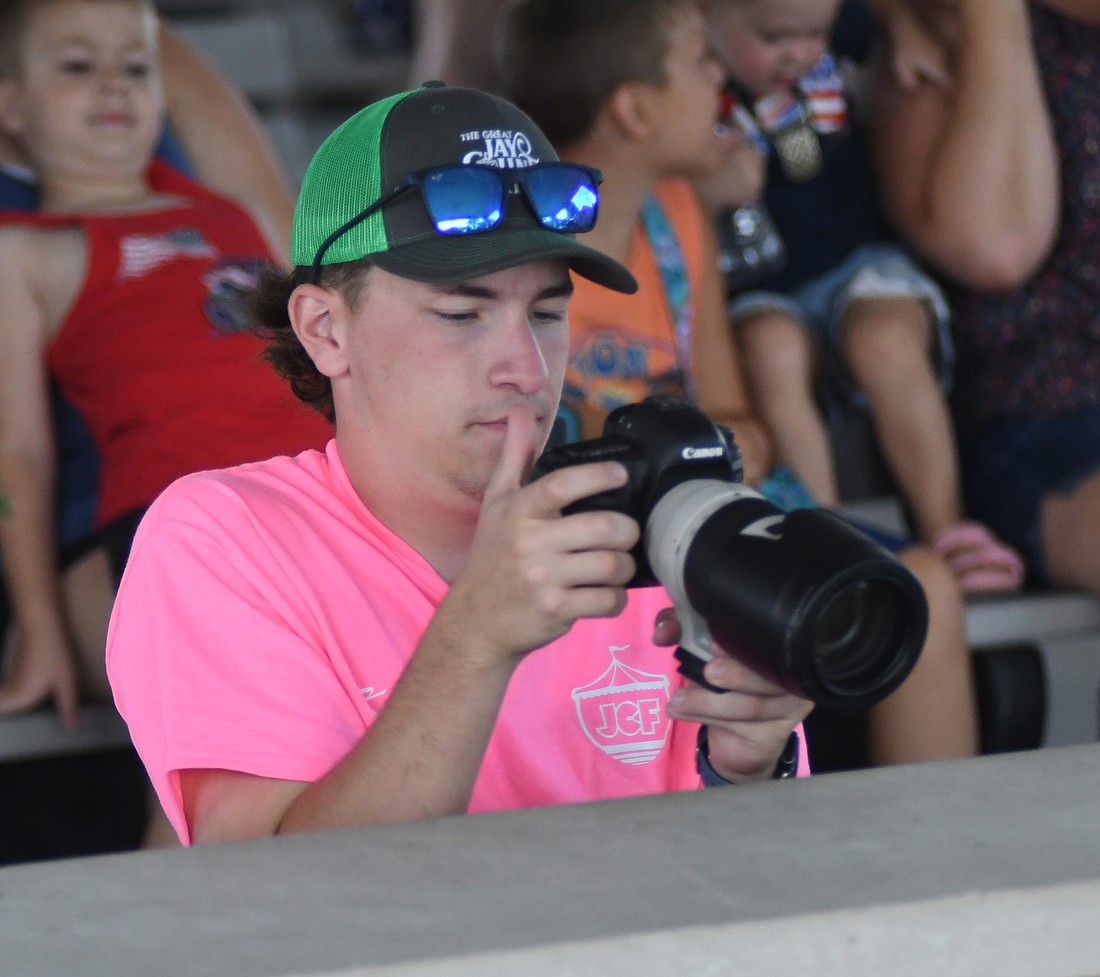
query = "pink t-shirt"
x=265 y=615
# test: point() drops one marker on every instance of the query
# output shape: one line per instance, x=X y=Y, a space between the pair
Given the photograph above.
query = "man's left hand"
x=749 y=724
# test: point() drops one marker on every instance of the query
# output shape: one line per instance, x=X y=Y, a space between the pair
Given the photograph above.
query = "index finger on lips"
x=516 y=454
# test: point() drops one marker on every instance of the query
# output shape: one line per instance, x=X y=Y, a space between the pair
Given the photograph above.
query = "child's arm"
x=43 y=666
x=224 y=140
x=720 y=386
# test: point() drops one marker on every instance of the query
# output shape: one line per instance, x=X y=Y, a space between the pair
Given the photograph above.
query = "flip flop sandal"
x=981 y=562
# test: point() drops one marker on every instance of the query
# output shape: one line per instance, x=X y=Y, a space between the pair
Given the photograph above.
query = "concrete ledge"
x=963 y=868
x=982 y=931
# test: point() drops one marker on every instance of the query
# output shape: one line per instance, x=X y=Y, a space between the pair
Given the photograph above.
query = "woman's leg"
x=933 y=715
x=1070 y=539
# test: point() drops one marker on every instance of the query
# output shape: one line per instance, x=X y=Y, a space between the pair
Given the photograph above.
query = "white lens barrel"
x=669 y=532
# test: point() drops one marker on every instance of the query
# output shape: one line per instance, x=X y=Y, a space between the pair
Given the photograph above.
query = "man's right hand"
x=533 y=572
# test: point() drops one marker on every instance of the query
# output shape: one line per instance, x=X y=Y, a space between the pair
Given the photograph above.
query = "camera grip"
x=691 y=667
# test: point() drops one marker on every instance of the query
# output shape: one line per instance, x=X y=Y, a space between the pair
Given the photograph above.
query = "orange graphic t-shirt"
x=623 y=348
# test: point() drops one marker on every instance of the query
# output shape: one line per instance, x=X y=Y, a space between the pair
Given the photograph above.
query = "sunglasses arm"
x=328 y=242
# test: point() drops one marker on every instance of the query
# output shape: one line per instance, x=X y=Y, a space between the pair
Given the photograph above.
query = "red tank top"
x=158 y=353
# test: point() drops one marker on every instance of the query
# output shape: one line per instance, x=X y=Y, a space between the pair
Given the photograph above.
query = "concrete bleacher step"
x=291 y=54
x=1060 y=631
x=992 y=620
x=298 y=64
x=252 y=48
x=331 y=66
x=40 y=734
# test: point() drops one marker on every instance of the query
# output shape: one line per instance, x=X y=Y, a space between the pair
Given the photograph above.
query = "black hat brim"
x=443 y=259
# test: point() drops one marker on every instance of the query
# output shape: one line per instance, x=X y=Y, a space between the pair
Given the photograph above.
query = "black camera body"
x=662 y=442
x=802 y=596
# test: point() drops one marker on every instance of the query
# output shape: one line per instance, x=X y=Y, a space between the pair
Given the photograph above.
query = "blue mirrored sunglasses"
x=470 y=199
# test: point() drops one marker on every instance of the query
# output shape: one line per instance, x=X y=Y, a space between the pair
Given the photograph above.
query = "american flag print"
x=823 y=89
x=141 y=253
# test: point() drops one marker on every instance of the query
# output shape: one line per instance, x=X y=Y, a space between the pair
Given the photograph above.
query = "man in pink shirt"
x=400 y=627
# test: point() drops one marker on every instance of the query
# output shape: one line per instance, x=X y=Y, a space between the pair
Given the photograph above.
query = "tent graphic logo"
x=623 y=711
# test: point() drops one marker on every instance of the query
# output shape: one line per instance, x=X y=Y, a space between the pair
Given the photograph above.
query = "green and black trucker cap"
x=436 y=125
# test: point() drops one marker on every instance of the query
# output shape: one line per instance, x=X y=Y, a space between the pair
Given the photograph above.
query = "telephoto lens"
x=803 y=596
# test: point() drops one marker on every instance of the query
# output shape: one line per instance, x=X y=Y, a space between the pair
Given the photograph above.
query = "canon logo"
x=693 y=454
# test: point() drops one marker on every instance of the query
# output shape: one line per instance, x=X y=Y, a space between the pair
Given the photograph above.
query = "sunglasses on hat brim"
x=464 y=199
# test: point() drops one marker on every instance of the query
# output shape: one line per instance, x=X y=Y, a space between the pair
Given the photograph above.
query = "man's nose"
x=519 y=360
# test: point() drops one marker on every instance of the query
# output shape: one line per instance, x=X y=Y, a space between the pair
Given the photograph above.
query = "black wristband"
x=785 y=768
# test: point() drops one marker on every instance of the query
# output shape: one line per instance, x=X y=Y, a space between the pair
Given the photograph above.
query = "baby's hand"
x=740 y=178
x=920 y=39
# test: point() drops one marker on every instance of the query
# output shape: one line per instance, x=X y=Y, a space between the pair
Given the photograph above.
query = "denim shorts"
x=1017 y=462
x=871 y=271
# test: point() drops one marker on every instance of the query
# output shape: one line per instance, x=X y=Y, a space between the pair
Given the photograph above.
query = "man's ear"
x=629 y=107
x=319 y=318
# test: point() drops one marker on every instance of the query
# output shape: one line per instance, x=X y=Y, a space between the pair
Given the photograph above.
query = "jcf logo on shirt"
x=623 y=711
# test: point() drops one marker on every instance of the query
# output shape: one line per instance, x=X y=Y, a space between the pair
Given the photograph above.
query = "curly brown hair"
x=269 y=306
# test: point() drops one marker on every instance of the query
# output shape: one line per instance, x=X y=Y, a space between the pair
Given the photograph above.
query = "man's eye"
x=547 y=316
x=458 y=316
x=137 y=70
x=76 y=66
